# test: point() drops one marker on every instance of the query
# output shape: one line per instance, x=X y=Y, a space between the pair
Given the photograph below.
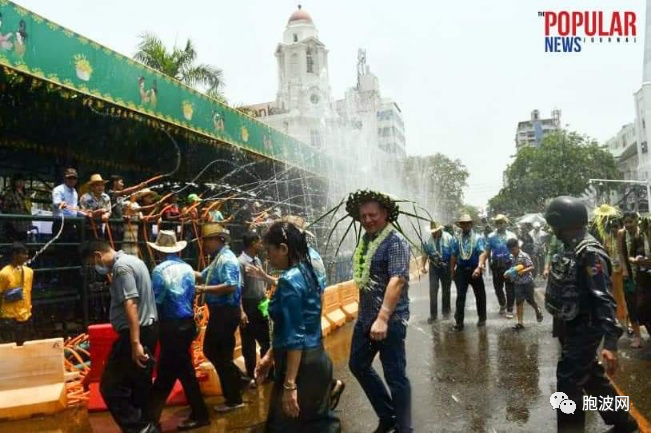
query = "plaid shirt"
x=391 y=259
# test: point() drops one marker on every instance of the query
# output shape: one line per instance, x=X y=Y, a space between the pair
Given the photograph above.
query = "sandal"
x=335 y=393
x=518 y=327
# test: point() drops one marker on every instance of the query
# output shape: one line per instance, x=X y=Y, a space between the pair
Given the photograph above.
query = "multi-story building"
x=531 y=132
x=623 y=147
x=643 y=106
x=304 y=107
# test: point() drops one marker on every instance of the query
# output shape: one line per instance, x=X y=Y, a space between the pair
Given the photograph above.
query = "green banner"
x=36 y=46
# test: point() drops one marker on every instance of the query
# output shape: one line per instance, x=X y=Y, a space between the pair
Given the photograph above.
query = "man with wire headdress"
x=381 y=271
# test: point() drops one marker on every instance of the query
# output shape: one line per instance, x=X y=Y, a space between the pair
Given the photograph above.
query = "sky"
x=464 y=73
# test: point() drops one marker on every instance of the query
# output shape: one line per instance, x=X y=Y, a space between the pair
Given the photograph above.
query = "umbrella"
x=531 y=218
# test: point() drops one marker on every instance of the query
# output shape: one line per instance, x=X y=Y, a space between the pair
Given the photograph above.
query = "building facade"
x=305 y=109
x=531 y=132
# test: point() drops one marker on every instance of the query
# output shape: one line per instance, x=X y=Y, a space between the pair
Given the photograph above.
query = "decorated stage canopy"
x=40 y=48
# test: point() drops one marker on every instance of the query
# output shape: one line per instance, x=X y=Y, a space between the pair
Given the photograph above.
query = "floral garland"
x=466 y=254
x=363 y=255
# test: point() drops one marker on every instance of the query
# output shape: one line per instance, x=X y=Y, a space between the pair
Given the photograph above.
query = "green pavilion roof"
x=41 y=48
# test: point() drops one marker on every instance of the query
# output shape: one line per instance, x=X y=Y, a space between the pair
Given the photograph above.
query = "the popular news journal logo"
x=570 y=31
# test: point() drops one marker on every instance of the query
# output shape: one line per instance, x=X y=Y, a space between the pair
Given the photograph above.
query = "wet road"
x=481 y=380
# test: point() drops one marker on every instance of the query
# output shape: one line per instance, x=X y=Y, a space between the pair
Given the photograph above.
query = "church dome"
x=300 y=15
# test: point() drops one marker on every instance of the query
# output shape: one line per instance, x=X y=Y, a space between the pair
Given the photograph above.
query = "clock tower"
x=303 y=83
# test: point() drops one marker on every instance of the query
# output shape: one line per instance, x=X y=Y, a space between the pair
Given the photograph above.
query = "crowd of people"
x=592 y=291
x=595 y=288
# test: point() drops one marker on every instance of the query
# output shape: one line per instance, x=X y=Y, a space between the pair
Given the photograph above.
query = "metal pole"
x=648 y=196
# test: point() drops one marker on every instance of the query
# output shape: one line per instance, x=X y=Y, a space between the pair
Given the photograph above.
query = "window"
x=315 y=138
x=309 y=61
x=295 y=37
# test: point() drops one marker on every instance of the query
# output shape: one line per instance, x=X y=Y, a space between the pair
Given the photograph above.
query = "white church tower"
x=643 y=105
x=303 y=102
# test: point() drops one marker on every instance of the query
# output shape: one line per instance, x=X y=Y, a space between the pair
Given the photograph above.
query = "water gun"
x=513 y=272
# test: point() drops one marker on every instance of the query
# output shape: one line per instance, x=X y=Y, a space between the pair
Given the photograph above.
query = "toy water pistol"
x=513 y=272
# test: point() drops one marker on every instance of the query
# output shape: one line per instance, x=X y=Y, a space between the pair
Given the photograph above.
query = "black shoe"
x=431 y=320
x=338 y=387
x=386 y=427
x=481 y=323
x=518 y=327
x=190 y=424
x=458 y=327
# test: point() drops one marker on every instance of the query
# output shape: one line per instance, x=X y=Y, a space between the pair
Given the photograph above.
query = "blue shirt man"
x=467 y=248
x=441 y=246
x=173 y=284
x=225 y=269
x=65 y=198
x=499 y=252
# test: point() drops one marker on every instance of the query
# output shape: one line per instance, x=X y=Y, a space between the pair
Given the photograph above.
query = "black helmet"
x=565 y=211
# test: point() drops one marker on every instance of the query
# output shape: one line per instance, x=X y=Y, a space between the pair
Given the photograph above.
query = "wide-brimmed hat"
x=96 y=178
x=144 y=192
x=464 y=218
x=166 y=242
x=210 y=230
x=357 y=198
x=299 y=222
x=70 y=172
x=435 y=227
x=501 y=217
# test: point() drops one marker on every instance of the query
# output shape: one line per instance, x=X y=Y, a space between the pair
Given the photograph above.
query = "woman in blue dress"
x=300 y=398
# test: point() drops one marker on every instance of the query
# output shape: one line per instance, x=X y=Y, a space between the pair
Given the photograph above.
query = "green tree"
x=438 y=178
x=179 y=63
x=562 y=165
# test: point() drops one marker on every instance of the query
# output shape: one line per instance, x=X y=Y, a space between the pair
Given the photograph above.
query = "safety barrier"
x=32 y=379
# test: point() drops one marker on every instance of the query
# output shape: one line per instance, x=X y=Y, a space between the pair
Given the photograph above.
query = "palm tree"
x=180 y=64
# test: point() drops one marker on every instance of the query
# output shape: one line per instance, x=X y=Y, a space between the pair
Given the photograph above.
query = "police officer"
x=578 y=296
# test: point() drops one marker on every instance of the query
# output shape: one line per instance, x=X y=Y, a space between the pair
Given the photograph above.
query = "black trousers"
x=175 y=362
x=13 y=331
x=462 y=279
x=578 y=370
x=439 y=276
x=219 y=346
x=500 y=283
x=256 y=330
x=313 y=382
x=125 y=387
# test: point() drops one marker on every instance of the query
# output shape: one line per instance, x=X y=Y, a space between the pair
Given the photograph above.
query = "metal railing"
x=67 y=295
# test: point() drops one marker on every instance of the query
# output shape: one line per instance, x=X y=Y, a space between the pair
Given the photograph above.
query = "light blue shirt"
x=442 y=246
x=225 y=269
x=63 y=193
x=173 y=284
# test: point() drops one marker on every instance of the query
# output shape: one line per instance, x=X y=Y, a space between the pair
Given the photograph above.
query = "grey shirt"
x=254 y=288
x=131 y=280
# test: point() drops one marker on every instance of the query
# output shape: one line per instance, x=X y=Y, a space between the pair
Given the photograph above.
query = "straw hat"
x=501 y=217
x=145 y=192
x=299 y=222
x=96 y=178
x=70 y=172
x=210 y=230
x=464 y=218
x=166 y=242
x=434 y=227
